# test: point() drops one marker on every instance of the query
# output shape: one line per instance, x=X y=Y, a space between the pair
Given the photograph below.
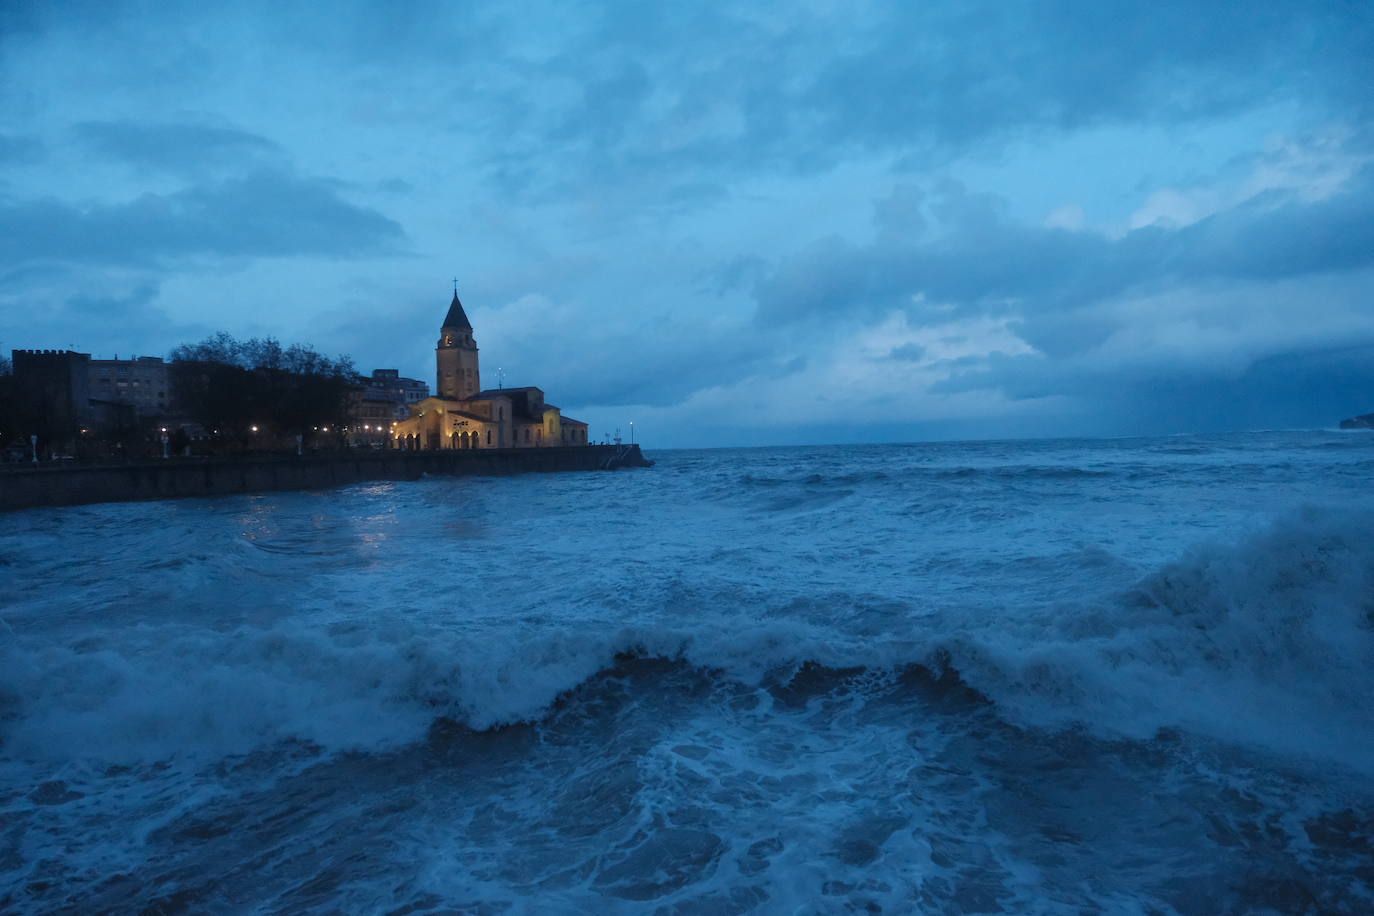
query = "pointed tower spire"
x=455 y=355
x=456 y=317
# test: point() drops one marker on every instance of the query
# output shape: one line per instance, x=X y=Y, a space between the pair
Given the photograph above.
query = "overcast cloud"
x=779 y=222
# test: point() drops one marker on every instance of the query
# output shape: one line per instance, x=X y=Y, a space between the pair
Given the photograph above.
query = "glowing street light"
x=253 y=428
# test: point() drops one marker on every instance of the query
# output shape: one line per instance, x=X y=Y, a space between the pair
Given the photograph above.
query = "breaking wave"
x=1267 y=640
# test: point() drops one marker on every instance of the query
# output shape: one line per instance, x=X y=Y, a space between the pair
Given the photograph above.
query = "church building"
x=465 y=415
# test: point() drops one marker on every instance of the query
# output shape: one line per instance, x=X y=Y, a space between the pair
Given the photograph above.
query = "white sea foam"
x=277 y=675
x=1267 y=640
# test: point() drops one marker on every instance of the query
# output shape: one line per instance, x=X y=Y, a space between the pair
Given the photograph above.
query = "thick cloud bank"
x=780 y=223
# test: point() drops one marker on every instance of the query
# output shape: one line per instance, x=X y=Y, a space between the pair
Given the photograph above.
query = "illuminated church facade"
x=465 y=415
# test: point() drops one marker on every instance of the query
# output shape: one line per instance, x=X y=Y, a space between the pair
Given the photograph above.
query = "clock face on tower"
x=448 y=340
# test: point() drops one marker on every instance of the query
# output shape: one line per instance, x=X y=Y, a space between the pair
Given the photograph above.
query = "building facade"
x=143 y=383
x=66 y=399
x=379 y=402
x=463 y=414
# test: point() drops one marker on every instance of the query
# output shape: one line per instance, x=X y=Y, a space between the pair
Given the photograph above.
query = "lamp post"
x=632 y=432
x=164 y=443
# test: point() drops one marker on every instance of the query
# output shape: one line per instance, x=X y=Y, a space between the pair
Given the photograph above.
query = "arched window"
x=453 y=441
x=488 y=435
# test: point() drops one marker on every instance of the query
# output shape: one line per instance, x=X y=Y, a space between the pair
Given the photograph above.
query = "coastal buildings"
x=64 y=397
x=465 y=415
x=381 y=400
x=143 y=383
x=76 y=405
x=52 y=396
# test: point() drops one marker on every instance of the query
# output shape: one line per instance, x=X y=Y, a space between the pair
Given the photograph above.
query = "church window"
x=488 y=437
x=527 y=434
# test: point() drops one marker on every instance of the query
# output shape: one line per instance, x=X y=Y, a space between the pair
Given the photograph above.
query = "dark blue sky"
x=733 y=224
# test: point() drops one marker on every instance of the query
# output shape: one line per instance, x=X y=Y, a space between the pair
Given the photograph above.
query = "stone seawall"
x=47 y=485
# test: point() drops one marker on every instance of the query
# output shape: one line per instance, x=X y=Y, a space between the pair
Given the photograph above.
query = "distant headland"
x=1363 y=421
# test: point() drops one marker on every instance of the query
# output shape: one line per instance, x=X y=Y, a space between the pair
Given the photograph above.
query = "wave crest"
x=1268 y=640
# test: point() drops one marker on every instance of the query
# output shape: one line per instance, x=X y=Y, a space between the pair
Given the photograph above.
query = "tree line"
x=230 y=386
x=233 y=394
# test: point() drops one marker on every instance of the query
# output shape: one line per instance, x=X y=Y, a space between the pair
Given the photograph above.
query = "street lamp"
x=632 y=432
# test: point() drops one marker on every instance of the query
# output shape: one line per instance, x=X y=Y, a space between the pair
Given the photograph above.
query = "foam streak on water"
x=1058 y=677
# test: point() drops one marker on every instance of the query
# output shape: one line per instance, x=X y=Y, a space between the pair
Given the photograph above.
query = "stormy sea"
x=1062 y=676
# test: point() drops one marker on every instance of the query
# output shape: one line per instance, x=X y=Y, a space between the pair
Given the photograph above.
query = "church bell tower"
x=456 y=355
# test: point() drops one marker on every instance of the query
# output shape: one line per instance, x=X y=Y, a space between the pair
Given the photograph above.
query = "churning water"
x=1128 y=676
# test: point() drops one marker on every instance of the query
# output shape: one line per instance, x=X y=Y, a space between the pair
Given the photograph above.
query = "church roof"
x=456 y=317
x=486 y=393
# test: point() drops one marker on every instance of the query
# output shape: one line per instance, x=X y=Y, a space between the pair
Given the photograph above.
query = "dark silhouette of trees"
x=230 y=386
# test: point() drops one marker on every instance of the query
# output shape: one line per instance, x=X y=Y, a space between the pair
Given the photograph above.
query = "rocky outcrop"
x=1364 y=421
